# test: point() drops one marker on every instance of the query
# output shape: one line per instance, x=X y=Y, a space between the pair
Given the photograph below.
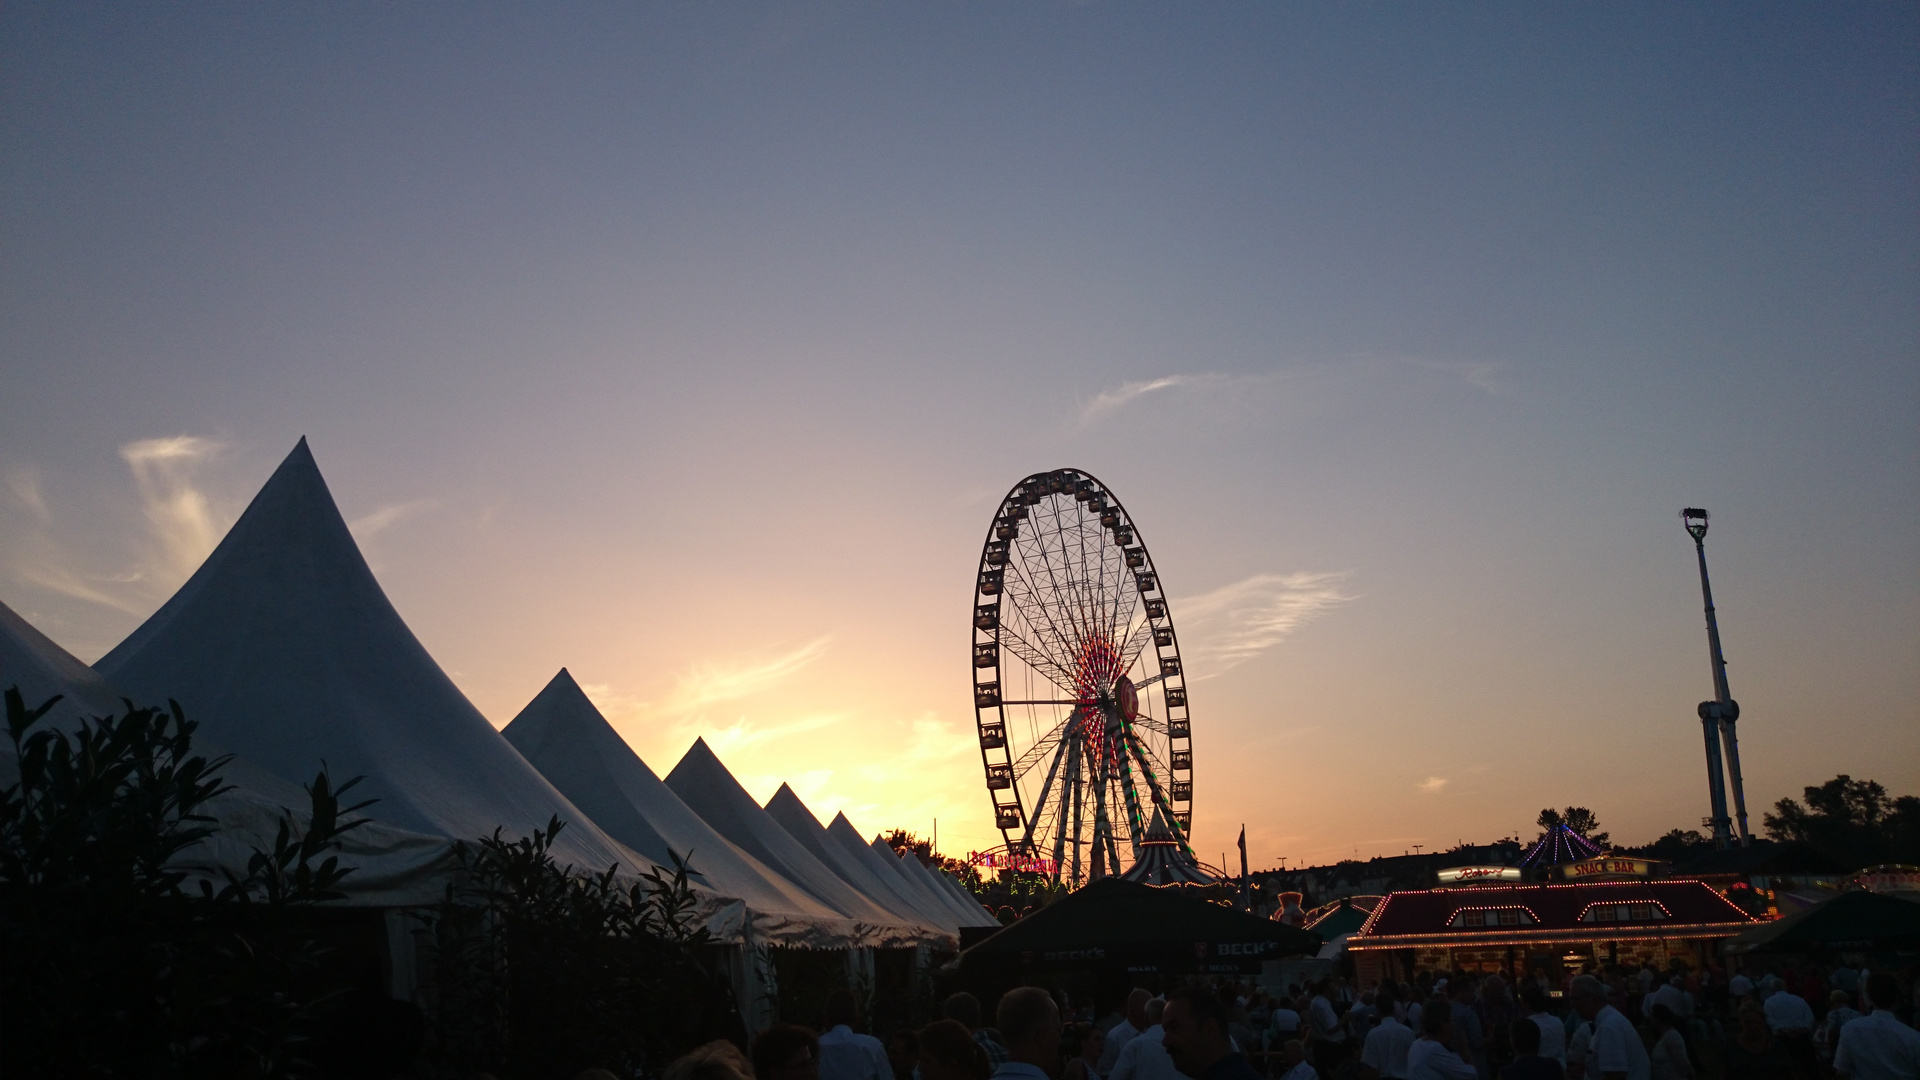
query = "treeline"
x=120 y=963
x=1855 y=823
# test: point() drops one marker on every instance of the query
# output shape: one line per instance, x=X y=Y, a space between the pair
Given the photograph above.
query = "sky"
x=692 y=347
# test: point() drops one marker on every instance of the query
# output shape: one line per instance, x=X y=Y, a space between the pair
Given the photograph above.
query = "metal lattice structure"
x=1078 y=692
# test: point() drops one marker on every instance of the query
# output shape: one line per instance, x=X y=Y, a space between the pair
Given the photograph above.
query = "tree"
x=1676 y=844
x=1851 y=821
x=1579 y=819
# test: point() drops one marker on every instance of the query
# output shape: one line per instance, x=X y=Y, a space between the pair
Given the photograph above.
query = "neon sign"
x=1000 y=860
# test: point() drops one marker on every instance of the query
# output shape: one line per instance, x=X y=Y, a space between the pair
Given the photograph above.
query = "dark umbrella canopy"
x=1855 y=920
x=1121 y=924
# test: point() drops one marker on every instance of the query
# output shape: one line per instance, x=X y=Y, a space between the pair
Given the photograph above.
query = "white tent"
x=916 y=870
x=883 y=862
x=564 y=736
x=286 y=650
x=391 y=866
x=42 y=669
x=786 y=808
x=704 y=784
x=968 y=901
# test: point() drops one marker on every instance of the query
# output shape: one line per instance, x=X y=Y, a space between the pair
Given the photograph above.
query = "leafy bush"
x=112 y=966
x=539 y=971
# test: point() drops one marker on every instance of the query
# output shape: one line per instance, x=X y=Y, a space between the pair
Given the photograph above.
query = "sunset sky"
x=691 y=347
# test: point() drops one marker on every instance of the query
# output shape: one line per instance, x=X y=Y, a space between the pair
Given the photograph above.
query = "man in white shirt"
x=1553 y=1033
x=846 y=1054
x=1878 y=1046
x=1134 y=1021
x=1283 y=1022
x=1429 y=1058
x=1788 y=1015
x=1385 y=1052
x=1293 y=1062
x=1029 y=1024
x=1616 y=1052
x=1329 y=1037
x=1674 y=996
x=1145 y=1057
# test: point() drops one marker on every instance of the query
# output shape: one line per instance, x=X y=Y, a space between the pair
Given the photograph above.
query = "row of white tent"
x=284 y=649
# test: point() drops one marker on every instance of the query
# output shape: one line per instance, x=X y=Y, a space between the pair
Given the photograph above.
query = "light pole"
x=1717 y=717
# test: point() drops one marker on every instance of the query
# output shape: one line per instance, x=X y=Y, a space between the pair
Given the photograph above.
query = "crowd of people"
x=1616 y=1023
x=1632 y=1020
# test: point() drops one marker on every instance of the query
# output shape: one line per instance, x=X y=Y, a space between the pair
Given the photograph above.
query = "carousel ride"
x=1079 y=693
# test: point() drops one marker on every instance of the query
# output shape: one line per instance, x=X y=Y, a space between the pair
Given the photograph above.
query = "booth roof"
x=1426 y=917
x=1852 y=920
x=285 y=649
x=564 y=736
x=1117 y=923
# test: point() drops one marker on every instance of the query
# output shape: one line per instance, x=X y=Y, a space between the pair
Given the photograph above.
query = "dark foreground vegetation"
x=121 y=963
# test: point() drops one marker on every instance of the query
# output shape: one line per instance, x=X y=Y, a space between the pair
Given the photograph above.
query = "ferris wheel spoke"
x=1040 y=807
x=1036 y=658
x=1027 y=760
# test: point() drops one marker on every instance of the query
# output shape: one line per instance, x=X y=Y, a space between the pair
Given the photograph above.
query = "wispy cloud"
x=25 y=485
x=1237 y=622
x=1108 y=401
x=53 y=577
x=367 y=526
x=181 y=525
x=1483 y=374
x=684 y=711
x=179 y=515
x=715 y=682
x=1431 y=785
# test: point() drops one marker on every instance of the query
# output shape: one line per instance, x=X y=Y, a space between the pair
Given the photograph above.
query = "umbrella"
x=1115 y=923
x=1854 y=920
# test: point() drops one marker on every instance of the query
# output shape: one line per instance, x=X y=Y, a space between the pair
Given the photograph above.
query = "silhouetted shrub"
x=112 y=966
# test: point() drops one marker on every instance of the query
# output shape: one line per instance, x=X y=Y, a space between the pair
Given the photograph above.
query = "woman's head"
x=786 y=1052
x=1753 y=1021
x=1082 y=1041
x=718 y=1060
x=948 y=1052
x=1662 y=1017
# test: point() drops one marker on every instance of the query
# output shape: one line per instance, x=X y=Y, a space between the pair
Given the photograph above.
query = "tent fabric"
x=786 y=808
x=705 y=785
x=390 y=867
x=1114 y=923
x=286 y=650
x=1852 y=920
x=962 y=909
x=921 y=878
x=913 y=884
x=843 y=835
x=565 y=737
x=966 y=896
x=42 y=669
x=1162 y=861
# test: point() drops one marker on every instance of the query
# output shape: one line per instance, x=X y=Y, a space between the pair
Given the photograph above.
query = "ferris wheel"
x=1078 y=690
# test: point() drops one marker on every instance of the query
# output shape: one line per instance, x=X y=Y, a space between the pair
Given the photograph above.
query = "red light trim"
x=1664 y=913
x=1457 y=912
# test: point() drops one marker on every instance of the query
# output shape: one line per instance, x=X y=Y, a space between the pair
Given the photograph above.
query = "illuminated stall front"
x=1553 y=926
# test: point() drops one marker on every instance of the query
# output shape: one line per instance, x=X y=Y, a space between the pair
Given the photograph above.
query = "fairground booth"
x=1599 y=911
